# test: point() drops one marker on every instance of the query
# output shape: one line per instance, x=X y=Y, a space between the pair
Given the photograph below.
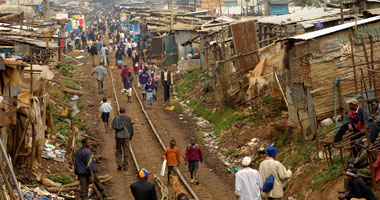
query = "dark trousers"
x=84 y=182
x=339 y=135
x=100 y=87
x=122 y=148
x=375 y=129
x=166 y=91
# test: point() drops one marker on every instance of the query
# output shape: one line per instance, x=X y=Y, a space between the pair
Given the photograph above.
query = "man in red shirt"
x=193 y=156
x=355 y=121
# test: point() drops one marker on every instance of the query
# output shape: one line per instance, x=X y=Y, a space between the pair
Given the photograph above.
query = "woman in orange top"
x=172 y=157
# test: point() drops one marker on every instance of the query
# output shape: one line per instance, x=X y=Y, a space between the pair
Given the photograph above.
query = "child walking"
x=172 y=157
x=149 y=87
x=193 y=155
x=105 y=110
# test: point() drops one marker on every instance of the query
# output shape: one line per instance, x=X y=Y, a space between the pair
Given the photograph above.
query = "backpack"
x=268 y=184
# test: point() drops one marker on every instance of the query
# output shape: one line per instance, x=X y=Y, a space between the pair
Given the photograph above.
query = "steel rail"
x=188 y=187
x=163 y=188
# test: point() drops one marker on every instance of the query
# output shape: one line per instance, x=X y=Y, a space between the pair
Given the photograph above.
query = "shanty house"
x=327 y=66
x=272 y=28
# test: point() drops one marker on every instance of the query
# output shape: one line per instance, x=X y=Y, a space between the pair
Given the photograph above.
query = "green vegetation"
x=221 y=119
x=70 y=83
x=188 y=83
x=61 y=179
x=303 y=154
x=327 y=175
x=66 y=69
x=232 y=152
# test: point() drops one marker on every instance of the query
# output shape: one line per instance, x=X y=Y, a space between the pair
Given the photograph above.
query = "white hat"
x=246 y=161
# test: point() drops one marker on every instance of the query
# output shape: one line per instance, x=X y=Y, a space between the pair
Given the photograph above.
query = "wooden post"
x=370 y=162
x=316 y=133
x=172 y=16
x=373 y=65
x=353 y=59
x=341 y=100
x=341 y=15
x=330 y=158
x=34 y=143
x=367 y=60
x=7 y=183
x=94 y=186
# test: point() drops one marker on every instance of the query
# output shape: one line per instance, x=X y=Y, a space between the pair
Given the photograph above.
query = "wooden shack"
x=320 y=72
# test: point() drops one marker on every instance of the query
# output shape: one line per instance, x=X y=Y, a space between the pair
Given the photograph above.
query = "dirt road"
x=215 y=183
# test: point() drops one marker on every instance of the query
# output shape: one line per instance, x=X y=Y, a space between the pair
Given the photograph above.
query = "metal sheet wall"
x=170 y=50
x=245 y=42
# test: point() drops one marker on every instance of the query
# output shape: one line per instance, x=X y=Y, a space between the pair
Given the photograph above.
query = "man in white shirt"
x=271 y=166
x=104 y=55
x=248 y=182
x=105 y=110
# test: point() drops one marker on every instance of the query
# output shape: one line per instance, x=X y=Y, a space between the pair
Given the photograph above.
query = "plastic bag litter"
x=163 y=167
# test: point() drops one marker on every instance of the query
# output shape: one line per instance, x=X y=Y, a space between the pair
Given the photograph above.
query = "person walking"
x=149 y=88
x=172 y=157
x=119 y=57
x=143 y=189
x=167 y=81
x=123 y=127
x=98 y=49
x=135 y=59
x=85 y=168
x=100 y=74
x=270 y=166
x=248 y=182
x=94 y=55
x=105 y=110
x=126 y=76
x=104 y=55
x=143 y=79
x=193 y=156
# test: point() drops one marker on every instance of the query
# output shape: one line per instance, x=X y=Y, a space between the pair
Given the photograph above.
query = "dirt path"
x=215 y=182
x=118 y=187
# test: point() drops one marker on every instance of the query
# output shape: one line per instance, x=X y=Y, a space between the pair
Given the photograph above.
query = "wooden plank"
x=244 y=42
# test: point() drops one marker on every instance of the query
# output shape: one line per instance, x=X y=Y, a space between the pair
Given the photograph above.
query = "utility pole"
x=172 y=18
x=195 y=5
x=341 y=12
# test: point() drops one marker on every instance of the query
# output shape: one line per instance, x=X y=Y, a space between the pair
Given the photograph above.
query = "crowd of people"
x=250 y=184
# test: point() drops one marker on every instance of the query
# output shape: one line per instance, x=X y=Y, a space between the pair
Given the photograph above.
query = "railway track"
x=149 y=156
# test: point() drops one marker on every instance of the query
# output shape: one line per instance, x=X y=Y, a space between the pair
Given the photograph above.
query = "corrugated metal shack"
x=320 y=69
x=272 y=28
x=242 y=72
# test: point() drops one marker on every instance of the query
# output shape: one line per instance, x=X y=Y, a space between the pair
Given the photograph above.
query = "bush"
x=66 y=69
x=61 y=179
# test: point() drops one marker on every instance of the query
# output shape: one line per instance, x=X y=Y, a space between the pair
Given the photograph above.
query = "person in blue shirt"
x=85 y=168
x=149 y=88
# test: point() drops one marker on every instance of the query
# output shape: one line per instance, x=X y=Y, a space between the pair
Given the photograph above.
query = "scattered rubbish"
x=40 y=194
x=171 y=108
x=163 y=167
x=51 y=152
x=327 y=122
x=74 y=100
x=80 y=57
